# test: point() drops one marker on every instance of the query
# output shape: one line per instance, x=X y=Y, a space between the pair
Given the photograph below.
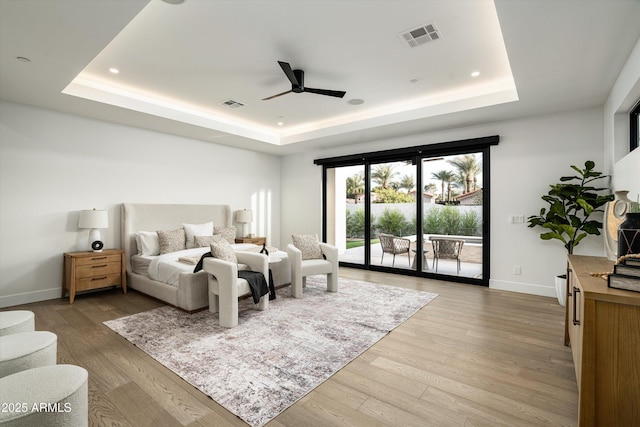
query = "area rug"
x=274 y=357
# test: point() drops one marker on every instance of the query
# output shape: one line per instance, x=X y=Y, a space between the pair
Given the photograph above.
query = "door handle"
x=576 y=291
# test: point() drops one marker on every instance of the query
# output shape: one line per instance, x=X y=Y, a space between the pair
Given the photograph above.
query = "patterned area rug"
x=274 y=357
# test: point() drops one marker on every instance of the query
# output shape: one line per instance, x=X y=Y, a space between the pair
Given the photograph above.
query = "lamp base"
x=97 y=246
x=95 y=242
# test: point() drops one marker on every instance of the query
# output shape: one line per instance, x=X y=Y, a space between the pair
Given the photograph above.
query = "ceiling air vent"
x=421 y=35
x=230 y=103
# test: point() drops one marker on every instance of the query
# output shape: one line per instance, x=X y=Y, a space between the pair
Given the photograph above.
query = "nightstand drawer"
x=97 y=282
x=98 y=259
x=101 y=269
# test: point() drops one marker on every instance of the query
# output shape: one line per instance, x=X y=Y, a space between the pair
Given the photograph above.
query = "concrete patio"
x=470 y=260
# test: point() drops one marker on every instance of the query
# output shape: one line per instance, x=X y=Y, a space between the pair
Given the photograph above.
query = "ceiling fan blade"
x=289 y=72
x=277 y=95
x=336 y=93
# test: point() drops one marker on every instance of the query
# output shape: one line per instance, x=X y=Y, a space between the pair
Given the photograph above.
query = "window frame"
x=634 y=124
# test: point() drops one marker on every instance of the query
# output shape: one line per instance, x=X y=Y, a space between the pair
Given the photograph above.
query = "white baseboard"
x=525 y=288
x=29 y=297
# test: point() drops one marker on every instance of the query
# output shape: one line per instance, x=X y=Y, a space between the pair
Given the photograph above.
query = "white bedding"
x=166 y=268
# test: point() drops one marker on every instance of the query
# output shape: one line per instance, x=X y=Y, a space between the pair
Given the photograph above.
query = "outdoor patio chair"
x=394 y=245
x=446 y=248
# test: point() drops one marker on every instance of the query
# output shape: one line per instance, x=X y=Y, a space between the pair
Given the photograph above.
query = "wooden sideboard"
x=603 y=327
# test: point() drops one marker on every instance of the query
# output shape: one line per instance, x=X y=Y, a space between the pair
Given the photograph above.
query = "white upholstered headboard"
x=153 y=217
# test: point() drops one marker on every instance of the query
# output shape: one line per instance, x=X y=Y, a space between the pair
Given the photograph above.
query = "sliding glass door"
x=346 y=218
x=452 y=214
x=374 y=208
x=393 y=214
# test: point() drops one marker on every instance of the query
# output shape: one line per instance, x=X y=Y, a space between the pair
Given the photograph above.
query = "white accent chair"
x=300 y=268
x=14 y=321
x=55 y=395
x=27 y=350
x=225 y=287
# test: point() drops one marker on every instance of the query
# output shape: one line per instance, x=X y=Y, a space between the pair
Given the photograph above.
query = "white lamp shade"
x=244 y=216
x=93 y=219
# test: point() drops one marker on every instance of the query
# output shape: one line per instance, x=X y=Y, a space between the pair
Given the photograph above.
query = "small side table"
x=255 y=240
x=83 y=271
x=425 y=264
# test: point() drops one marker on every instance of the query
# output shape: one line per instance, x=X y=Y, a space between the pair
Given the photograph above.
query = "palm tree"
x=407 y=182
x=383 y=174
x=445 y=177
x=430 y=188
x=355 y=185
x=468 y=168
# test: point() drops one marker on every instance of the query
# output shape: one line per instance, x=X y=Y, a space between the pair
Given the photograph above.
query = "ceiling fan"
x=296 y=77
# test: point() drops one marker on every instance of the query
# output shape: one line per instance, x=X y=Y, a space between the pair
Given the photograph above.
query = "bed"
x=157 y=276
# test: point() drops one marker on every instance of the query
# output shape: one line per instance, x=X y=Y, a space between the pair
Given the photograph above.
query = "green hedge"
x=437 y=220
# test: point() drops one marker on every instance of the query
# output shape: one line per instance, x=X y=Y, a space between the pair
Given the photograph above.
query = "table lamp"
x=94 y=219
x=244 y=217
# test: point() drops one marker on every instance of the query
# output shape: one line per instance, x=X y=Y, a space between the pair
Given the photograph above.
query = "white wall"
x=53 y=165
x=622 y=165
x=532 y=154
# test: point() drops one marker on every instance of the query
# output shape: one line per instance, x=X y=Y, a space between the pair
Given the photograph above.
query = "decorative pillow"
x=228 y=233
x=171 y=241
x=192 y=230
x=206 y=241
x=308 y=244
x=148 y=243
x=223 y=250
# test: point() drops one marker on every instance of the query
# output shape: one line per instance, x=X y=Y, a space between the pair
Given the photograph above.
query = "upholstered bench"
x=55 y=395
x=26 y=350
x=16 y=321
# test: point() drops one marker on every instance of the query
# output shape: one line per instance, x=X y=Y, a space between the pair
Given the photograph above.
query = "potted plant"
x=571 y=202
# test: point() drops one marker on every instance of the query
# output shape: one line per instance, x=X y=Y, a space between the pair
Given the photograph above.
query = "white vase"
x=561 y=290
x=614 y=214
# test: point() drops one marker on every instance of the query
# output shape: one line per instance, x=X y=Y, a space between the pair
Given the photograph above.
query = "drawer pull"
x=576 y=291
x=98 y=258
x=98 y=278
x=99 y=266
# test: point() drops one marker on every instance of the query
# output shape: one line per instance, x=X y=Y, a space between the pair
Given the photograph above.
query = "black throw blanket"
x=257 y=281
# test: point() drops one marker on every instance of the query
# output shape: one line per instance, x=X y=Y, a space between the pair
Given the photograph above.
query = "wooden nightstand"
x=83 y=271
x=254 y=240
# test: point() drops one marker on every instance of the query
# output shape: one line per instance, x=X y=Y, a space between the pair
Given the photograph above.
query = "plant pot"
x=561 y=289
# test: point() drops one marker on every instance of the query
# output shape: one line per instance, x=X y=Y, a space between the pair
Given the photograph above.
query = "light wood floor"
x=471 y=357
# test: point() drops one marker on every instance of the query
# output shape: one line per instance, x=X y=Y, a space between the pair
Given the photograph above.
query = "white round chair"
x=14 y=321
x=27 y=350
x=53 y=396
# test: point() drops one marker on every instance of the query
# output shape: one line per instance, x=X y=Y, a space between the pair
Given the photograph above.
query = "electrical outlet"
x=517 y=270
x=518 y=219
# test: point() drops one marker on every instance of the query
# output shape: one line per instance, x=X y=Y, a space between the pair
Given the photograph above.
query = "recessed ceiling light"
x=355 y=101
x=475 y=74
x=23 y=59
x=173 y=1
x=114 y=70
